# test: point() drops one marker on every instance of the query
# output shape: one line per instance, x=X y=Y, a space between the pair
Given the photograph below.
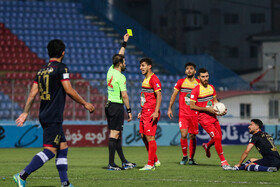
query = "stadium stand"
x=27 y=26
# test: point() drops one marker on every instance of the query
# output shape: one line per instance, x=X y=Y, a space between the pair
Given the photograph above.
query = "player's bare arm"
x=245 y=154
x=172 y=100
x=76 y=97
x=125 y=39
x=22 y=118
x=158 y=102
x=193 y=106
x=139 y=115
x=126 y=103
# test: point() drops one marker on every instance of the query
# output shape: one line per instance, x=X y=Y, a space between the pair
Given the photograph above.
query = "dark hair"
x=147 y=60
x=202 y=70
x=117 y=59
x=190 y=64
x=257 y=122
x=55 y=48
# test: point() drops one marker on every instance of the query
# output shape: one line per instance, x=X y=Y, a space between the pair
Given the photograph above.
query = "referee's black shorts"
x=269 y=161
x=115 y=116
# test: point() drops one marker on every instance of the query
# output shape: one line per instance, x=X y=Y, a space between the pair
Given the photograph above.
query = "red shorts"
x=212 y=127
x=190 y=123
x=147 y=126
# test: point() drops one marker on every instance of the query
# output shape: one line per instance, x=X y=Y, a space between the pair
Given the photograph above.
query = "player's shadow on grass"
x=199 y=164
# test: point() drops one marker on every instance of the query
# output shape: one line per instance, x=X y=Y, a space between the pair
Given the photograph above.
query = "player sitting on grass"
x=265 y=145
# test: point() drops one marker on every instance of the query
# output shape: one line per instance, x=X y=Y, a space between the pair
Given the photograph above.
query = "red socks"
x=210 y=143
x=184 y=146
x=152 y=152
x=192 y=148
x=219 y=149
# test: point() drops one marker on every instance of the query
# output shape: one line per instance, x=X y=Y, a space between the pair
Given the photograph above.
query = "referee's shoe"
x=114 y=167
x=128 y=165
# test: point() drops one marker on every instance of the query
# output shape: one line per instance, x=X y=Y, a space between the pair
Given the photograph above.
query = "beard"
x=190 y=76
x=123 y=69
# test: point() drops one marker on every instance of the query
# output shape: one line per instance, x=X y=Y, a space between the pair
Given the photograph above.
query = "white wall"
x=259 y=107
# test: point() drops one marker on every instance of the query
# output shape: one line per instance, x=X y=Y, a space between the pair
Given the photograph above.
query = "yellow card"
x=129 y=32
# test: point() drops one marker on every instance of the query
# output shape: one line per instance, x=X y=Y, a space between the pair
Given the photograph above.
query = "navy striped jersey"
x=52 y=93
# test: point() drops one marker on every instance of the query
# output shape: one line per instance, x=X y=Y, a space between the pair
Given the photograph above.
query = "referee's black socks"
x=120 y=151
x=112 y=149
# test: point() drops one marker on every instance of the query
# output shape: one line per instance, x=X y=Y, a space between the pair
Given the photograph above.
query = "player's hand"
x=21 y=119
x=237 y=165
x=129 y=117
x=139 y=115
x=170 y=114
x=89 y=107
x=225 y=112
x=212 y=110
x=154 y=116
x=125 y=37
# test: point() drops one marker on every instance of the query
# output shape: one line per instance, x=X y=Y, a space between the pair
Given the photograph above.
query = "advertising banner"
x=82 y=134
x=86 y=135
x=27 y=136
x=169 y=134
x=31 y=135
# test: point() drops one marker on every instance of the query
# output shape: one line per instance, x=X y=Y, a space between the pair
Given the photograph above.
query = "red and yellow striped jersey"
x=150 y=85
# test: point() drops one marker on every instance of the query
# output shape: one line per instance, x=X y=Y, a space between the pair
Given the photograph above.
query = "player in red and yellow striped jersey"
x=203 y=98
x=188 y=122
x=150 y=114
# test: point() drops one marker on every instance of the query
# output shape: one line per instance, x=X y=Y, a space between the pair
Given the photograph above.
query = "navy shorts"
x=115 y=116
x=269 y=161
x=53 y=135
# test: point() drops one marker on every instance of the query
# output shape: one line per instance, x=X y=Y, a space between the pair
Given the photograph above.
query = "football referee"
x=114 y=110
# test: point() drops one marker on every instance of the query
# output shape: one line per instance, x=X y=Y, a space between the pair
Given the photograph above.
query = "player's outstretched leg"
x=261 y=168
x=37 y=161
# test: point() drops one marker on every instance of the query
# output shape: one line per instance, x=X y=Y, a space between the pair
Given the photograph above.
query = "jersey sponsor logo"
x=65 y=75
x=209 y=104
x=187 y=99
x=143 y=100
x=192 y=96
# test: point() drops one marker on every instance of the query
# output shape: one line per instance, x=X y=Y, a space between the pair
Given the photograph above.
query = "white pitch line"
x=173 y=180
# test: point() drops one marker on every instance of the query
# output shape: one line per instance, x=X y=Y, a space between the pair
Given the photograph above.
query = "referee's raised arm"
x=125 y=39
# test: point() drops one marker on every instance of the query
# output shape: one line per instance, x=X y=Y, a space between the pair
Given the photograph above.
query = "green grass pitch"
x=87 y=167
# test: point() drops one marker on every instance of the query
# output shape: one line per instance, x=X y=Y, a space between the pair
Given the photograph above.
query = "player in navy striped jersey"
x=52 y=82
x=266 y=147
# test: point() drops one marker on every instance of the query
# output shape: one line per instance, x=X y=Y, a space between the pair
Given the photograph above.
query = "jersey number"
x=270 y=139
x=44 y=88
